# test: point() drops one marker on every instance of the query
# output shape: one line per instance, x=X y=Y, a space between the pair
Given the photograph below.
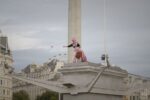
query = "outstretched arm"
x=70 y=45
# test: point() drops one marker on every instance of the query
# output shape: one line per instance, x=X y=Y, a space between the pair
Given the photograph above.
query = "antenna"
x=104 y=23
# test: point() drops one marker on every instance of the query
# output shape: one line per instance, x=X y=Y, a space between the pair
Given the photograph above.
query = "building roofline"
x=140 y=76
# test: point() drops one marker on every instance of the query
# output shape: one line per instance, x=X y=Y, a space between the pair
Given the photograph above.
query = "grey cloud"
x=128 y=15
x=47 y=37
x=39 y=56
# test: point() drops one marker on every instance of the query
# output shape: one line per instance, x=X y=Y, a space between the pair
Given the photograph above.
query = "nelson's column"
x=74 y=24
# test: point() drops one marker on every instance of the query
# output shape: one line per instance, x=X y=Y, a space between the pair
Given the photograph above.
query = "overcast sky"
x=35 y=26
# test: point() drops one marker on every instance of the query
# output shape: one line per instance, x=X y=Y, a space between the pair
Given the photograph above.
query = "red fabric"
x=80 y=55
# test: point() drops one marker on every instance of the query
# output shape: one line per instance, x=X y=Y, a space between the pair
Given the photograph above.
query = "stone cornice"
x=93 y=68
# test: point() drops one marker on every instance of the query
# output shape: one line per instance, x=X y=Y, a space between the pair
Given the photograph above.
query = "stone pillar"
x=74 y=24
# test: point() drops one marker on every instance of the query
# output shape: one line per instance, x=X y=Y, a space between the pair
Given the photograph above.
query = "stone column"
x=74 y=24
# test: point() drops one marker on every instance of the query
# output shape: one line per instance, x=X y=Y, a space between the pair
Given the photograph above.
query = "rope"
x=105 y=51
x=96 y=78
x=104 y=23
x=105 y=33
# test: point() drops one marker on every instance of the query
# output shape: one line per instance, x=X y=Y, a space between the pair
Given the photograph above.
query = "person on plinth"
x=79 y=55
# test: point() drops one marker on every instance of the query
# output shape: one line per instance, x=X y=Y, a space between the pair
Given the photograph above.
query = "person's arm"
x=78 y=45
x=70 y=45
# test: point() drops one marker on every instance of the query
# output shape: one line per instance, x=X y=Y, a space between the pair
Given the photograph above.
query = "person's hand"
x=64 y=46
x=51 y=46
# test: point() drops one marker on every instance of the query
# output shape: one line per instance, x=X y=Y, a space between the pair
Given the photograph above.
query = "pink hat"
x=74 y=39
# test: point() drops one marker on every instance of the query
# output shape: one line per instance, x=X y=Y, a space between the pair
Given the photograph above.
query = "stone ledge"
x=79 y=64
x=91 y=68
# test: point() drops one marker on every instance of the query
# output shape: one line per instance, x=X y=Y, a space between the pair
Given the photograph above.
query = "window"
x=0 y=93
x=1 y=82
x=4 y=92
x=130 y=97
x=133 y=97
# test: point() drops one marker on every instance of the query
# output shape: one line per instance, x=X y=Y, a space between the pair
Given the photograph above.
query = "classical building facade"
x=139 y=87
x=6 y=69
x=42 y=72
